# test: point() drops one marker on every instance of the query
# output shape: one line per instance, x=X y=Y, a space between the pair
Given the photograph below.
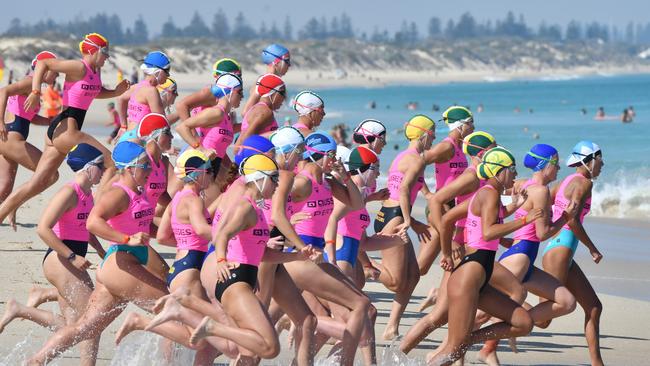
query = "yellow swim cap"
x=191 y=163
x=493 y=161
x=258 y=166
x=417 y=126
x=477 y=142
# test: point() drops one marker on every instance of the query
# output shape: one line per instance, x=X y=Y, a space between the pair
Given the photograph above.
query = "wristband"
x=36 y=91
x=219 y=260
x=126 y=239
x=196 y=146
x=330 y=241
x=524 y=220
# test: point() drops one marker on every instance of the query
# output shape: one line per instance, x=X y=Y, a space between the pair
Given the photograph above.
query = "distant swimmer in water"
x=479 y=109
x=601 y=116
x=627 y=117
x=583 y=111
x=631 y=111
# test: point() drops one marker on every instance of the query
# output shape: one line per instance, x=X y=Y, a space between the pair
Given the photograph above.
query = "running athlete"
x=63 y=228
x=82 y=85
x=520 y=258
x=211 y=130
x=277 y=59
x=204 y=98
x=114 y=121
x=311 y=111
x=240 y=242
x=322 y=179
x=450 y=162
x=259 y=119
x=557 y=260
x=399 y=269
x=468 y=287
x=14 y=148
x=460 y=189
x=144 y=97
x=131 y=271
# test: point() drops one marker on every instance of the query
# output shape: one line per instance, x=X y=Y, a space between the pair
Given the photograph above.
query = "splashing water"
x=145 y=350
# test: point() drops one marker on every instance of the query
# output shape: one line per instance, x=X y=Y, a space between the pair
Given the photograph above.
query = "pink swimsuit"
x=137 y=217
x=136 y=110
x=452 y=169
x=16 y=105
x=474 y=228
x=248 y=246
x=464 y=197
x=72 y=224
x=561 y=202
x=217 y=137
x=319 y=205
x=186 y=236
x=79 y=94
x=268 y=128
x=157 y=181
x=395 y=178
x=528 y=231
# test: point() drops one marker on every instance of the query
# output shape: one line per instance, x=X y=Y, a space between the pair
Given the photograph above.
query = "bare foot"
x=390 y=333
x=39 y=295
x=171 y=310
x=12 y=220
x=512 y=342
x=490 y=357
x=203 y=330
x=132 y=322
x=11 y=311
x=284 y=323
x=160 y=303
x=429 y=301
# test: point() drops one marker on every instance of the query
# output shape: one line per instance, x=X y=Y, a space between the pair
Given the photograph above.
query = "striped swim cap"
x=477 y=142
x=493 y=161
x=455 y=116
x=190 y=164
x=268 y=84
x=583 y=152
x=92 y=43
x=226 y=65
x=417 y=126
x=42 y=56
x=368 y=131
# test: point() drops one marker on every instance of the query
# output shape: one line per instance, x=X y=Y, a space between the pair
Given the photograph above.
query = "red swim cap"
x=42 y=56
x=92 y=43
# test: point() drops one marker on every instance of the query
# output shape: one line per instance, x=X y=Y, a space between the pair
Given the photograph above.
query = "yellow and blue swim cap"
x=493 y=161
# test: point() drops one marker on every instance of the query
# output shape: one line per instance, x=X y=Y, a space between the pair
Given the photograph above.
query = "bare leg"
x=43 y=318
x=40 y=295
x=429 y=250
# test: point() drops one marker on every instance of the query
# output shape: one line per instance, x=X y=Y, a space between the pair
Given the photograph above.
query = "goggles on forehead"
x=511 y=168
x=103 y=50
x=427 y=131
x=551 y=161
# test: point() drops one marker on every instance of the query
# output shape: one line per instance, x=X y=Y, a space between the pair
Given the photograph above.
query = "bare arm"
x=196 y=208
x=489 y=201
x=94 y=242
x=207 y=118
x=279 y=209
x=410 y=176
x=165 y=235
x=112 y=203
x=152 y=96
x=440 y=153
x=544 y=228
x=338 y=213
x=122 y=107
x=185 y=105
x=21 y=87
x=466 y=183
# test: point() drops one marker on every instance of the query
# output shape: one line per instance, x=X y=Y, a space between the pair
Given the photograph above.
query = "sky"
x=366 y=15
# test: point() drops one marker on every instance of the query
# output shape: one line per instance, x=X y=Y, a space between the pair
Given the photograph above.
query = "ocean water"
x=550 y=112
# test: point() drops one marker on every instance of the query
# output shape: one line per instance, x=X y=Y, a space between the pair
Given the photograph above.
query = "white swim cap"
x=306 y=102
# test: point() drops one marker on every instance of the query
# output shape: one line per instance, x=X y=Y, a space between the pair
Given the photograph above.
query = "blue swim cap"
x=157 y=59
x=254 y=144
x=539 y=156
x=82 y=154
x=318 y=143
x=128 y=135
x=127 y=153
x=225 y=84
x=273 y=53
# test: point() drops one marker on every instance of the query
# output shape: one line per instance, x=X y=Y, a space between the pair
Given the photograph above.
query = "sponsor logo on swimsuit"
x=91 y=87
x=364 y=217
x=143 y=213
x=156 y=185
x=223 y=131
x=261 y=232
x=83 y=215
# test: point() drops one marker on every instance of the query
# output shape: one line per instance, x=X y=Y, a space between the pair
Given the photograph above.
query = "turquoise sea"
x=550 y=112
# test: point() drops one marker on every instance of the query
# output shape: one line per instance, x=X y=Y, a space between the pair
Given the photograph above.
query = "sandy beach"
x=621 y=279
